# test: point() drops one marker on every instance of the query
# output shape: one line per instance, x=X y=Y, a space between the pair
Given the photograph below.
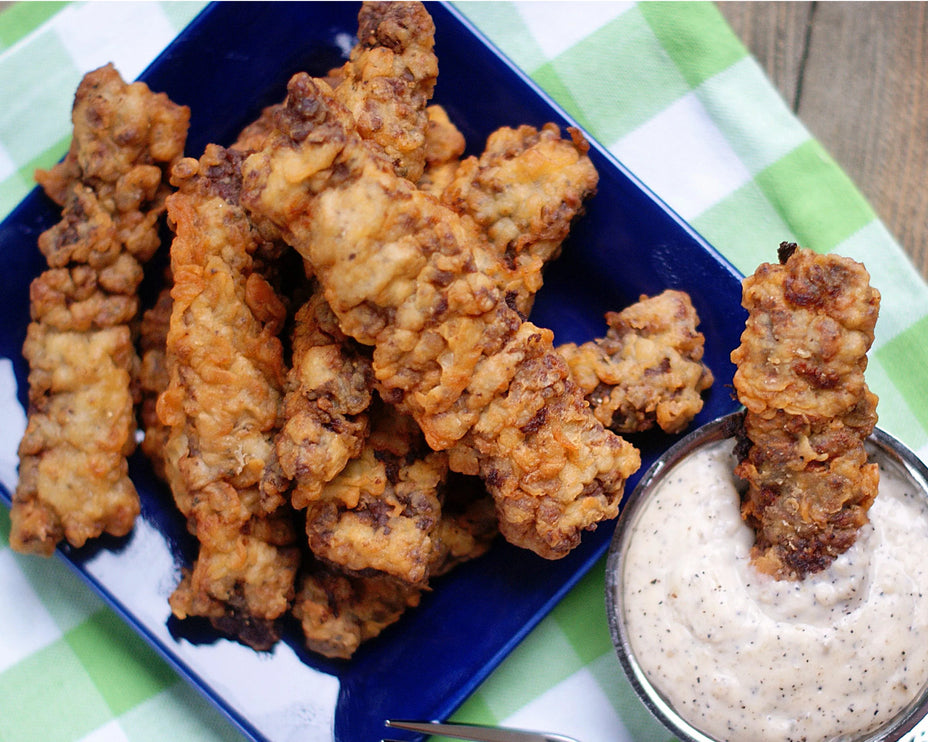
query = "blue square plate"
x=231 y=61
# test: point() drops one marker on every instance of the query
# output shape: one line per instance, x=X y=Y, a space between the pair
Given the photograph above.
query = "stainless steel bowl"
x=657 y=703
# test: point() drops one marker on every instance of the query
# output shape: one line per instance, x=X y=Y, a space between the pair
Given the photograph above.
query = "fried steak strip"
x=412 y=278
x=379 y=512
x=339 y=610
x=800 y=375
x=389 y=79
x=74 y=483
x=523 y=192
x=328 y=393
x=648 y=368
x=389 y=511
x=221 y=406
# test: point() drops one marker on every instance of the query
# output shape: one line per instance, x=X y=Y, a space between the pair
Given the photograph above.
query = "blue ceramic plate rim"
x=361 y=706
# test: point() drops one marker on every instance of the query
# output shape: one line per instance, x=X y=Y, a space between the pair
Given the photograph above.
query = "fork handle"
x=477 y=732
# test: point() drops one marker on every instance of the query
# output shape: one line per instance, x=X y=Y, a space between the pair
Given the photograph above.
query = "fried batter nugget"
x=221 y=405
x=74 y=481
x=524 y=191
x=379 y=513
x=800 y=375
x=74 y=478
x=125 y=139
x=325 y=408
x=91 y=281
x=648 y=368
x=444 y=145
x=386 y=84
x=389 y=79
x=412 y=278
x=338 y=612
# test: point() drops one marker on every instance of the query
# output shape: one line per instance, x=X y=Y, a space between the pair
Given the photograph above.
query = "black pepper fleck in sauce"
x=838 y=653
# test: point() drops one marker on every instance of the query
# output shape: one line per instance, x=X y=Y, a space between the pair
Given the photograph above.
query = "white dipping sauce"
x=742 y=656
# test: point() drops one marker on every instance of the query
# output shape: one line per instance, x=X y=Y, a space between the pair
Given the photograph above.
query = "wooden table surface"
x=856 y=75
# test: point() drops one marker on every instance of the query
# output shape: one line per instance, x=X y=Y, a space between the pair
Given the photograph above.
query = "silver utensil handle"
x=477 y=732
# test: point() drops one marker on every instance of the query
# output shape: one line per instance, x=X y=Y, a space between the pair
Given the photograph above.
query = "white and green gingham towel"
x=675 y=96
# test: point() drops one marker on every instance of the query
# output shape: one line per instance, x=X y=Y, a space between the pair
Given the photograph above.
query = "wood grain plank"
x=777 y=34
x=856 y=74
x=865 y=96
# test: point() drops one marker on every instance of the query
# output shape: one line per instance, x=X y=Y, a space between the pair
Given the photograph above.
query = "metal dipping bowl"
x=879 y=443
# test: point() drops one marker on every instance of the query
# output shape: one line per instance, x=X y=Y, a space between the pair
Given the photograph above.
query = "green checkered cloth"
x=667 y=88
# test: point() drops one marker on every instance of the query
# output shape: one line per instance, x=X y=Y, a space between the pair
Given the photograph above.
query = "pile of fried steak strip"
x=340 y=434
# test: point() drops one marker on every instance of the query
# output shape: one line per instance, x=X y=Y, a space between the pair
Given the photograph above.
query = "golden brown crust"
x=74 y=481
x=648 y=368
x=338 y=612
x=125 y=140
x=414 y=279
x=74 y=478
x=221 y=405
x=523 y=192
x=800 y=375
x=389 y=79
x=391 y=521
x=253 y=136
x=444 y=145
x=325 y=419
x=379 y=514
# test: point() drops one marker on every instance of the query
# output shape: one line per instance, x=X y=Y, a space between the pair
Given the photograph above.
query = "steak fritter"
x=800 y=375
x=647 y=370
x=418 y=282
x=74 y=482
x=226 y=384
x=523 y=192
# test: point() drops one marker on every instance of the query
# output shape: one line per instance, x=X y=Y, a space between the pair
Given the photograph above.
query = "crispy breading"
x=388 y=81
x=338 y=612
x=226 y=384
x=800 y=375
x=91 y=282
x=74 y=481
x=411 y=277
x=381 y=512
x=153 y=375
x=648 y=368
x=328 y=392
x=524 y=191
x=125 y=140
x=444 y=145
x=74 y=478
